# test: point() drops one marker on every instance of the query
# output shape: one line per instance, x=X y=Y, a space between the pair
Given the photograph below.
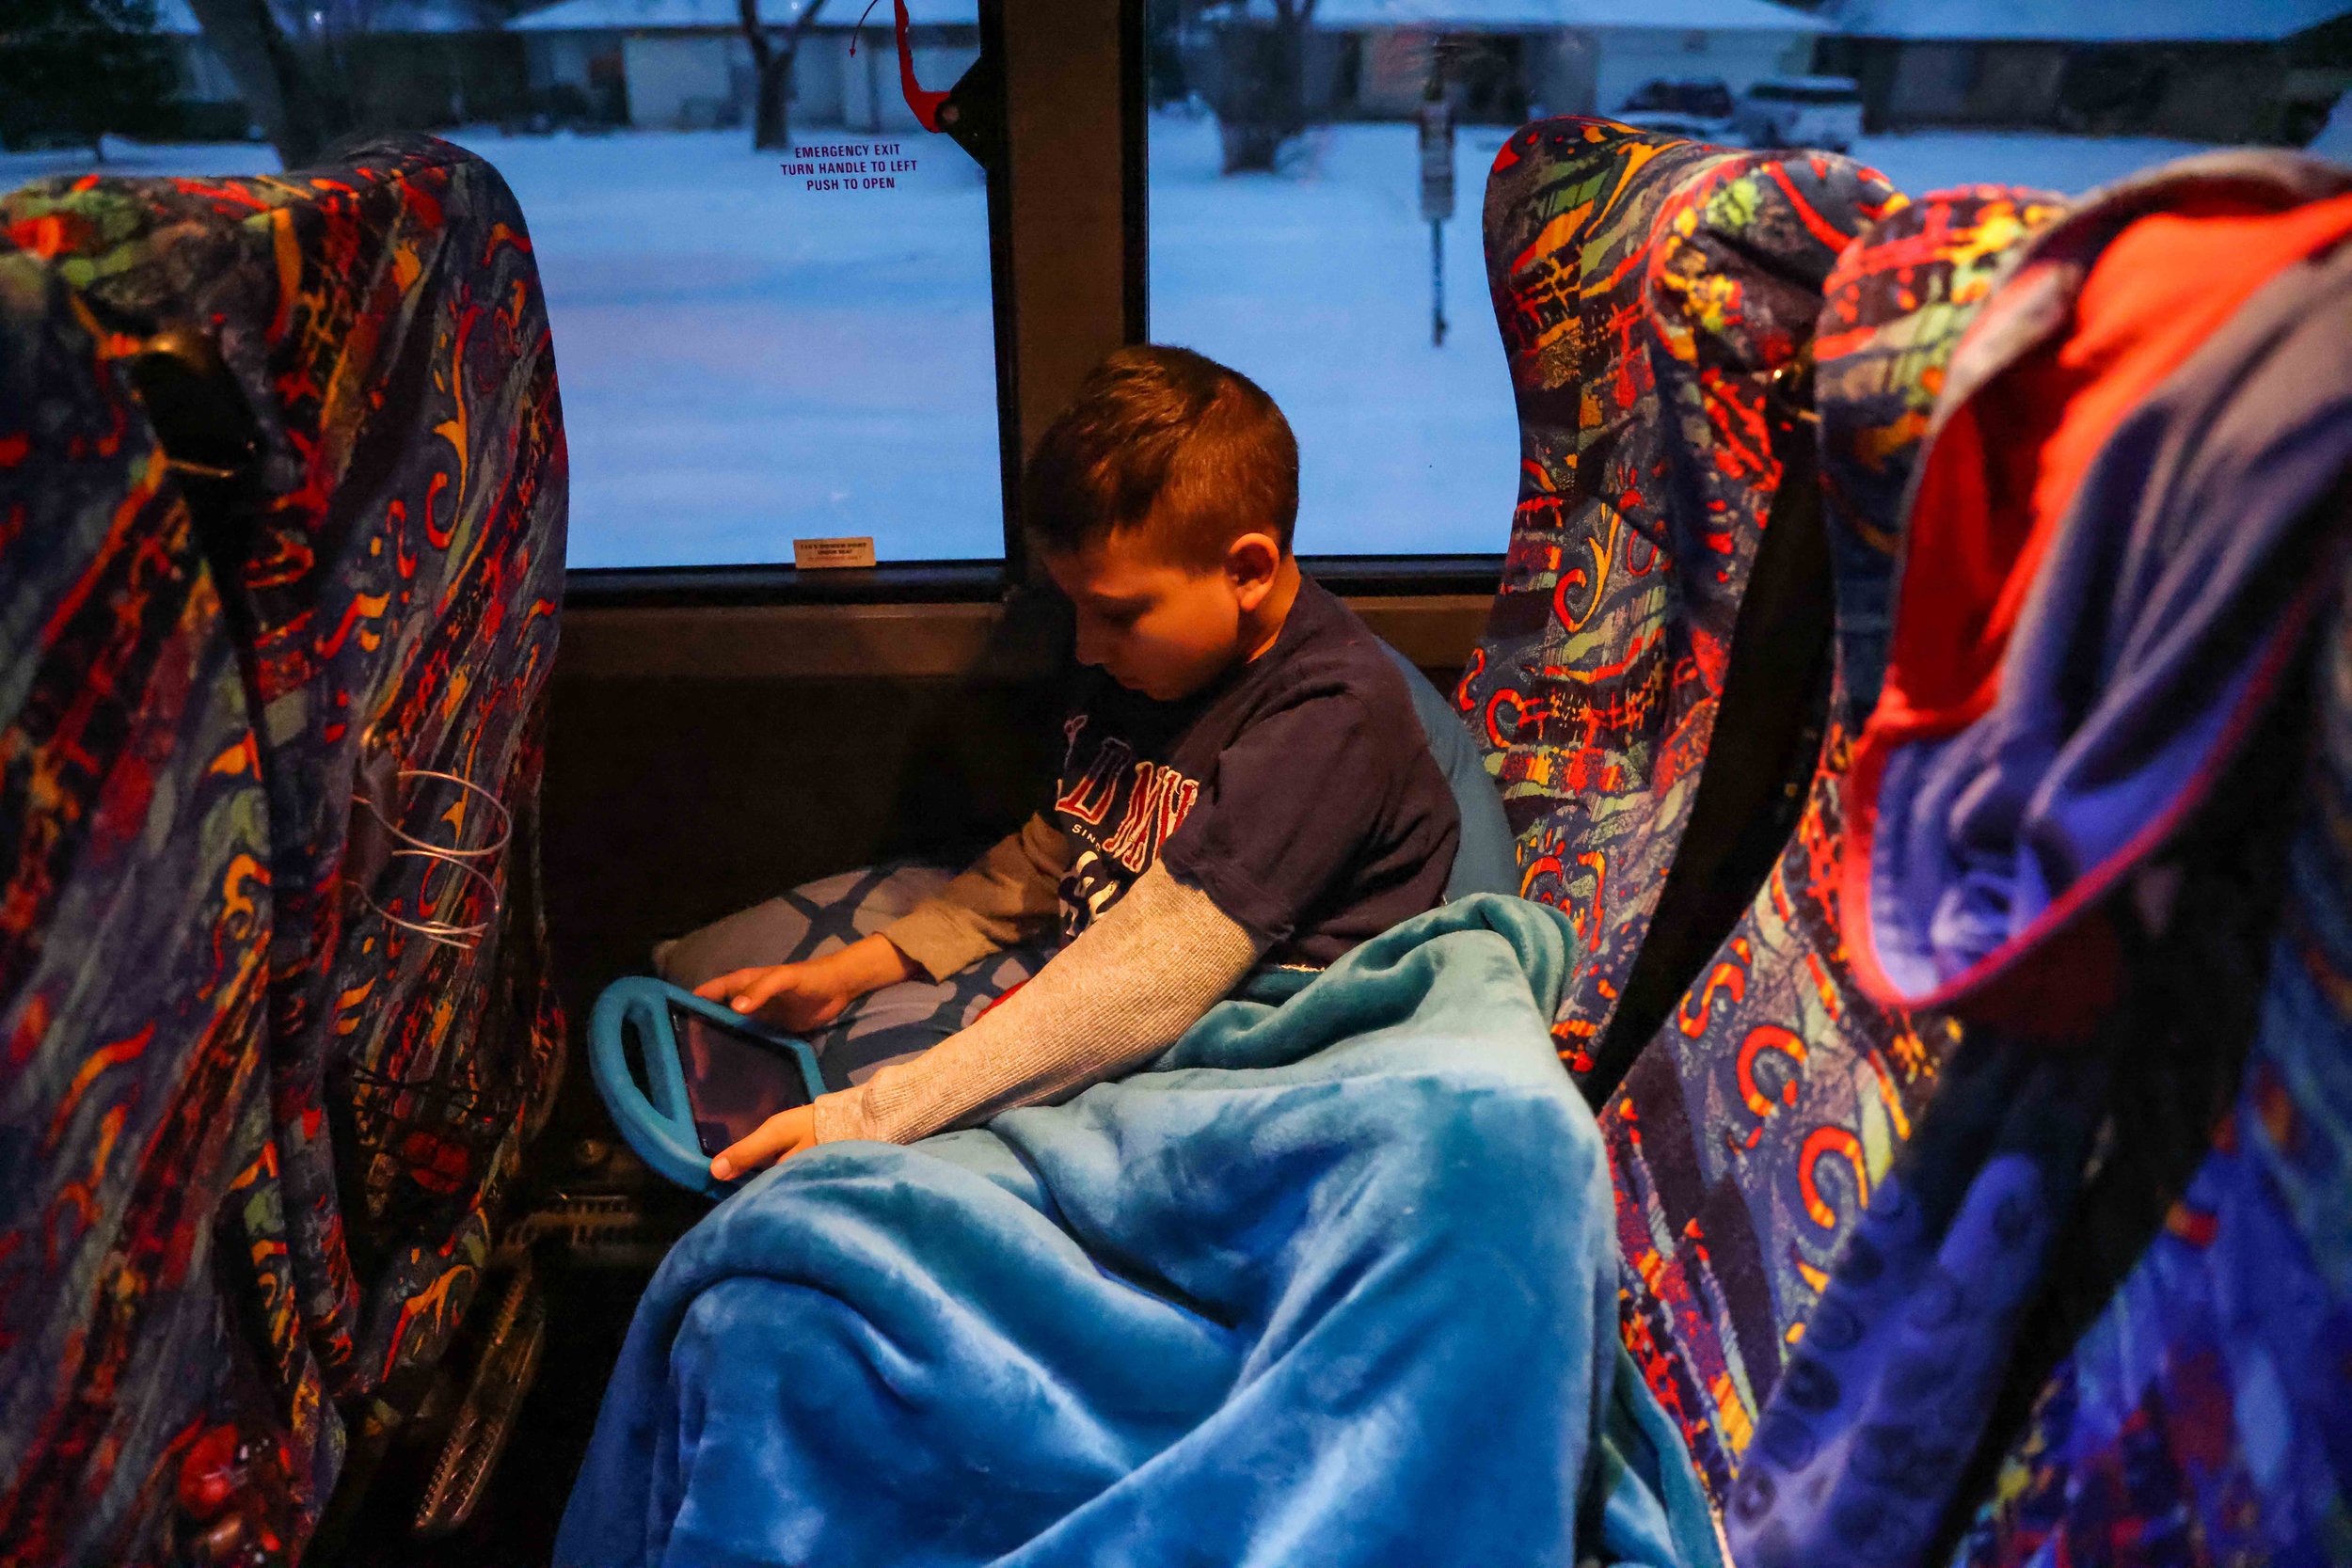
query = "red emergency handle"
x=925 y=105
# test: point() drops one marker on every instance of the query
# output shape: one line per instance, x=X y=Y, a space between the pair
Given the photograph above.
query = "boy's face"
x=1158 y=627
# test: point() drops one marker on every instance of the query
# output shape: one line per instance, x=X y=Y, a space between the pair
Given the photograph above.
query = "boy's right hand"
x=814 y=993
x=793 y=996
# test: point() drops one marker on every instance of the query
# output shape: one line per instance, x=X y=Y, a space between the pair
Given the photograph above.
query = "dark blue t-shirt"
x=1297 y=792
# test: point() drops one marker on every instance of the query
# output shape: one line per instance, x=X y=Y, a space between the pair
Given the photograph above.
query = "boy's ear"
x=1250 y=562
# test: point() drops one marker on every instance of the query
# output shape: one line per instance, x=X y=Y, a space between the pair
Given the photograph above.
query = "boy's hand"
x=780 y=1137
x=812 y=993
x=796 y=996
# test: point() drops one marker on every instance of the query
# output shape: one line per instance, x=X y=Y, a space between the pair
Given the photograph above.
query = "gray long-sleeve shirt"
x=1299 y=810
x=1009 y=895
x=1121 y=992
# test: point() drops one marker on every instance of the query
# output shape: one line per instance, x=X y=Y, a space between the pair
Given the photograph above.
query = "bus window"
x=1290 y=239
x=763 y=343
x=770 y=289
x=2061 y=97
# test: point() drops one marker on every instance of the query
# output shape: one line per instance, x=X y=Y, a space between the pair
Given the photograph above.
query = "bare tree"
x=1261 y=94
x=773 y=54
x=283 y=90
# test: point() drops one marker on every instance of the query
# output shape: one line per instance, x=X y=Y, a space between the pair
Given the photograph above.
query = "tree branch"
x=747 y=11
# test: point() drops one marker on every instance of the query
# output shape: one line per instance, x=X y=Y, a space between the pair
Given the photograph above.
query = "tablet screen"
x=734 y=1079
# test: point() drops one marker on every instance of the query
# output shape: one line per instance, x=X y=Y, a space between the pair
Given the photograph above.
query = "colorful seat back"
x=1838 y=1334
x=1650 y=292
x=1745 y=1139
x=2047 y=856
x=390 y=542
x=136 y=1163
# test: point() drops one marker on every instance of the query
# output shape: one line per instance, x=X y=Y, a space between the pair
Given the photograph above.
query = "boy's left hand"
x=780 y=1137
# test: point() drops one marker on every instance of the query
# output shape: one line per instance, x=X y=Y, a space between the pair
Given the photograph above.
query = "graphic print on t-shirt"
x=1118 y=810
x=1296 y=791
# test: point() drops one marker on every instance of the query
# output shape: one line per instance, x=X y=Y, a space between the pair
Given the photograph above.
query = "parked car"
x=1696 y=106
x=1800 y=111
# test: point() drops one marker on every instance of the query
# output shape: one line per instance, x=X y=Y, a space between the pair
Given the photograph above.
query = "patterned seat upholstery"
x=1650 y=292
x=134 y=922
x=1850 y=1232
x=388 y=552
x=1746 y=1136
x=1745 y=1139
x=2205 y=1416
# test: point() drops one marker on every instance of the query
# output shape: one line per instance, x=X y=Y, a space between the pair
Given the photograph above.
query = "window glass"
x=1824 y=89
x=1289 y=234
x=2066 y=97
x=754 y=343
x=1299 y=255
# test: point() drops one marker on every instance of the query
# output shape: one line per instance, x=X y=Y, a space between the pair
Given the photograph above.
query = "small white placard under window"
x=821 y=554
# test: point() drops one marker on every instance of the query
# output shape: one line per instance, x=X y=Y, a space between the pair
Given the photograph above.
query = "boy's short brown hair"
x=1172 y=436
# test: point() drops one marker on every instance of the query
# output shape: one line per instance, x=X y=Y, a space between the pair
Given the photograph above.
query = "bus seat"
x=1484 y=861
x=390 y=551
x=2207 y=1411
x=1743 y=1137
x=1851 y=1230
x=135 y=922
x=1655 y=297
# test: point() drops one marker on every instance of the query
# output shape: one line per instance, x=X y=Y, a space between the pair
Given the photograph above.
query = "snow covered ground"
x=744 y=360
x=1315 y=283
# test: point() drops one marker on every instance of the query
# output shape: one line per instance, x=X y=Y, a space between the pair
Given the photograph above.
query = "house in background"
x=410 y=62
x=684 y=64
x=2199 y=70
x=1506 y=60
x=1511 y=58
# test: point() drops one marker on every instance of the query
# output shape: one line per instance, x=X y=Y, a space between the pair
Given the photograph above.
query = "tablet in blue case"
x=708 y=1075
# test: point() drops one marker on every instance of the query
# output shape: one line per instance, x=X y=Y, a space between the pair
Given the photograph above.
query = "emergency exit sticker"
x=817 y=555
x=849 y=165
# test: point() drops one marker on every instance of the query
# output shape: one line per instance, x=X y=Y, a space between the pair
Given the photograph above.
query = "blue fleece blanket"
x=1332 y=1283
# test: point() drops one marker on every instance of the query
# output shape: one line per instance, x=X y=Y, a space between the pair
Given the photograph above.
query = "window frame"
x=1052 y=140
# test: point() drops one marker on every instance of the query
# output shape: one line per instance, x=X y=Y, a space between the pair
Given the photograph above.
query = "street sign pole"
x=1437 y=194
x=1436 y=283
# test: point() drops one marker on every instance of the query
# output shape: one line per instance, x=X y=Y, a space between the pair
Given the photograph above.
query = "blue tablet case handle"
x=661 y=1129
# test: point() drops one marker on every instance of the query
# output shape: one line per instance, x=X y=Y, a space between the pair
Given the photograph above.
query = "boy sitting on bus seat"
x=1245 y=780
